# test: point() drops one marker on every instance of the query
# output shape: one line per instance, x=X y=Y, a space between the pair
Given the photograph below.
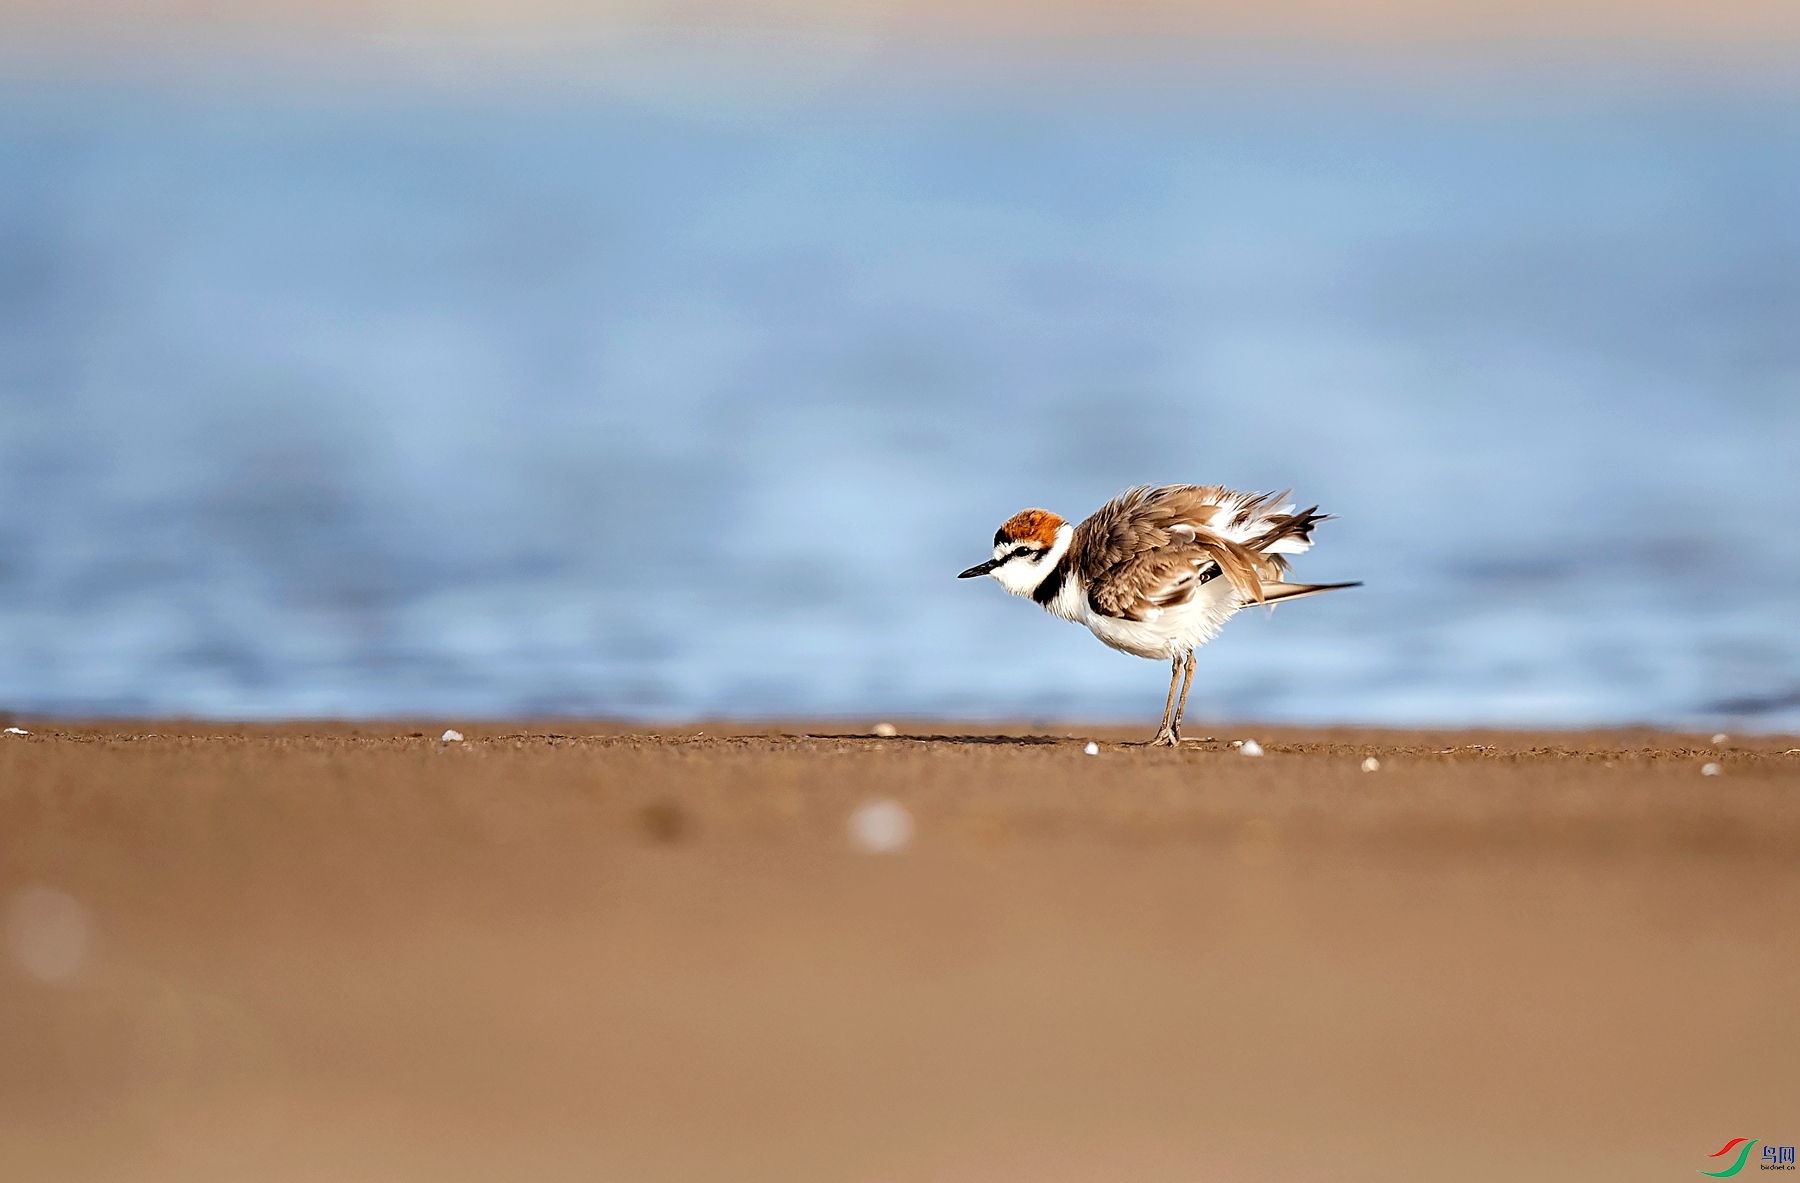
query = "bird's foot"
x=1168 y=737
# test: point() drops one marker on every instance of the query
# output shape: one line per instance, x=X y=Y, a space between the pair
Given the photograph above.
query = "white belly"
x=1173 y=631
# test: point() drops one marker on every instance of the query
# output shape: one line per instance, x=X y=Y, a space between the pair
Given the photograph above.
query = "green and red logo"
x=1742 y=1146
x=1775 y=1158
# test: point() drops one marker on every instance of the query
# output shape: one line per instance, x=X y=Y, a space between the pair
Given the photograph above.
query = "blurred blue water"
x=581 y=408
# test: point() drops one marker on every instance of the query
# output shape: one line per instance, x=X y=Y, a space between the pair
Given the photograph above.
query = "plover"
x=1143 y=572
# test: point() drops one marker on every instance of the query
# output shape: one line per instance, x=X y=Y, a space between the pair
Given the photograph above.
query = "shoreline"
x=308 y=951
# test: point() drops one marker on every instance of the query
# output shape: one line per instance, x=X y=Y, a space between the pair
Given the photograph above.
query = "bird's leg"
x=1166 y=735
x=1181 y=706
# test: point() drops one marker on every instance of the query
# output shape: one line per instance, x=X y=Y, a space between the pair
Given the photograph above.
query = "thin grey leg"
x=1186 y=685
x=1166 y=734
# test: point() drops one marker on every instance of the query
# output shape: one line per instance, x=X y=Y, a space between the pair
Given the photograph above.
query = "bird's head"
x=1026 y=548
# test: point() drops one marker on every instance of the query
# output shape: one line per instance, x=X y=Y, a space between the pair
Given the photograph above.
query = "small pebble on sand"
x=1710 y=770
x=881 y=827
x=1251 y=748
x=17 y=731
x=1721 y=738
x=1371 y=765
x=886 y=730
x=1093 y=749
x=48 y=932
x=453 y=737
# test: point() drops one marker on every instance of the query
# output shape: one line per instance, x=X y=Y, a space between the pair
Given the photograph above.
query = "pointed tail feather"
x=1275 y=593
x=1288 y=533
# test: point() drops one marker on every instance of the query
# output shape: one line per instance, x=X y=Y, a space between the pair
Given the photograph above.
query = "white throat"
x=1022 y=576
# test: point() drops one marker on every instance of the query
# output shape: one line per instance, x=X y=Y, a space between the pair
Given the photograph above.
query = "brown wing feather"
x=1148 y=547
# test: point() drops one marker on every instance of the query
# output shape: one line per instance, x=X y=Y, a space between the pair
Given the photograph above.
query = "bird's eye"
x=1022 y=552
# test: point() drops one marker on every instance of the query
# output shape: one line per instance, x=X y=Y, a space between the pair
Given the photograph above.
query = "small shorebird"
x=1143 y=572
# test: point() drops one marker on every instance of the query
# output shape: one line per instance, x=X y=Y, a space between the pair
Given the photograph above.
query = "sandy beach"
x=579 y=951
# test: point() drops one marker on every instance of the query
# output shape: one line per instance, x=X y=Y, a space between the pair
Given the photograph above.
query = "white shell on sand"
x=881 y=827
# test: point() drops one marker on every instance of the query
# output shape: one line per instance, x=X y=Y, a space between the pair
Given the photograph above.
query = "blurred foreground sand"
x=570 y=952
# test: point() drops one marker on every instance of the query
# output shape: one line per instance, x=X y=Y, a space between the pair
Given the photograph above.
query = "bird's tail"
x=1275 y=593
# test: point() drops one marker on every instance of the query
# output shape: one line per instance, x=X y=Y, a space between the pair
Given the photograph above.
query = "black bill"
x=981 y=569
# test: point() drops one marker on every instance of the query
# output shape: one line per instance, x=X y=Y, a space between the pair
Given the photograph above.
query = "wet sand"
x=571 y=951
